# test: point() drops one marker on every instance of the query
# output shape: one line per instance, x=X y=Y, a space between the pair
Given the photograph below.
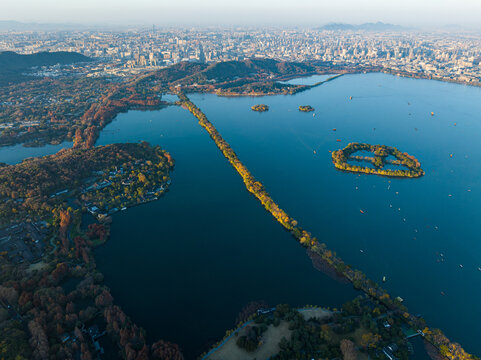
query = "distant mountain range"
x=378 y=26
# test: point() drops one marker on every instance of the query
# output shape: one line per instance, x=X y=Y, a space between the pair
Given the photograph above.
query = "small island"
x=381 y=153
x=260 y=108
x=306 y=108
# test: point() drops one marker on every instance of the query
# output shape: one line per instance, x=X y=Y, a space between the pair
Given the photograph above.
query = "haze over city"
x=424 y=13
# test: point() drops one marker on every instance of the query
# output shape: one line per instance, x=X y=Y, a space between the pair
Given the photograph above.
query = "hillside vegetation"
x=11 y=62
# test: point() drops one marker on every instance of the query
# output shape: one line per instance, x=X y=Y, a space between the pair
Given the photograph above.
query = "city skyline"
x=426 y=13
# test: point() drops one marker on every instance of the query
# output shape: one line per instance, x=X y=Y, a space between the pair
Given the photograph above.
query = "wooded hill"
x=11 y=62
x=231 y=70
x=13 y=65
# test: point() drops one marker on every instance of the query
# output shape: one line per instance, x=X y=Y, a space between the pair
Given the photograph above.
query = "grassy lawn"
x=269 y=345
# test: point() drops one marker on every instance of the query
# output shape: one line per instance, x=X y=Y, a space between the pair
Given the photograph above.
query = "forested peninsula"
x=52 y=298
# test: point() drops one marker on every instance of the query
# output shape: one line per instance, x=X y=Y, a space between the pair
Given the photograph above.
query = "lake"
x=183 y=267
x=308 y=80
x=422 y=234
x=16 y=153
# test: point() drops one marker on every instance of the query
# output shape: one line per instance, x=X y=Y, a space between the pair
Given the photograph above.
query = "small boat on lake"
x=384 y=279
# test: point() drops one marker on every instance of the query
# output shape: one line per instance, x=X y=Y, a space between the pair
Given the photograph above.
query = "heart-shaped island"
x=381 y=153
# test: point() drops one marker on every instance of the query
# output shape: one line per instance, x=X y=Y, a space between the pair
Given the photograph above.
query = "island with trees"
x=306 y=108
x=260 y=108
x=412 y=166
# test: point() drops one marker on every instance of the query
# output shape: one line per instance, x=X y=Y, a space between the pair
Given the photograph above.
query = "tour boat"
x=383 y=279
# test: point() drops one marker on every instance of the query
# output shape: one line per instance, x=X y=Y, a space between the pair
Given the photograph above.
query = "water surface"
x=16 y=153
x=422 y=234
x=184 y=266
x=308 y=80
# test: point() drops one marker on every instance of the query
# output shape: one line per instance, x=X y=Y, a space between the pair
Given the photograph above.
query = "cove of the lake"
x=184 y=266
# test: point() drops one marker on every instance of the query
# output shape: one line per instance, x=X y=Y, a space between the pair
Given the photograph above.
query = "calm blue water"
x=170 y=97
x=184 y=266
x=309 y=80
x=403 y=242
x=17 y=153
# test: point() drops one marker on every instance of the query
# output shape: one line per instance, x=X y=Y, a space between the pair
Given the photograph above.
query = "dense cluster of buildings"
x=23 y=242
x=442 y=54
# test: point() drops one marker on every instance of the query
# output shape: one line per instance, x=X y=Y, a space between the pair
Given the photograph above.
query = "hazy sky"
x=255 y=12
